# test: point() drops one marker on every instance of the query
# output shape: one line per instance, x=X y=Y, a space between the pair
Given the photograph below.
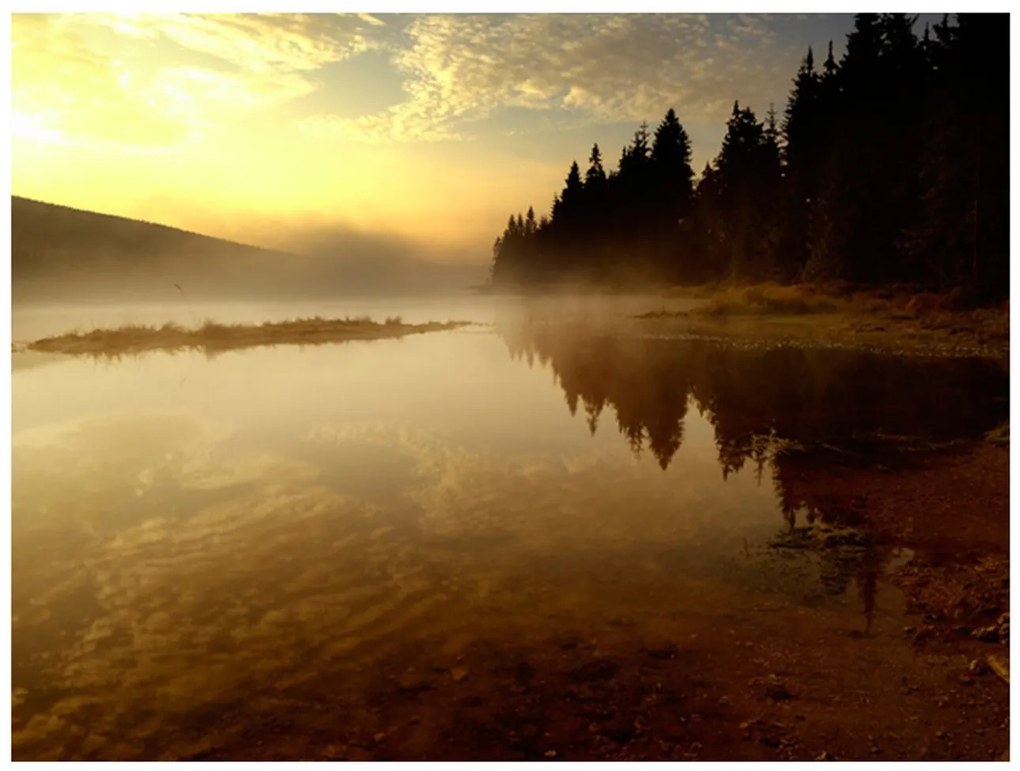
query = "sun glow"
x=35 y=128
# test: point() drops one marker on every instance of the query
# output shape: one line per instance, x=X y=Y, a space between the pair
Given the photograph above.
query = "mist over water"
x=198 y=540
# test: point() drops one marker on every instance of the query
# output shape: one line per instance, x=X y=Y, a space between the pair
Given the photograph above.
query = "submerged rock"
x=977 y=667
x=773 y=688
x=997 y=632
x=820 y=536
x=594 y=671
x=829 y=537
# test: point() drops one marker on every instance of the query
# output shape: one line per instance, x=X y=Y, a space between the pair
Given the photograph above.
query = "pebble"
x=986 y=633
x=550 y=753
x=777 y=692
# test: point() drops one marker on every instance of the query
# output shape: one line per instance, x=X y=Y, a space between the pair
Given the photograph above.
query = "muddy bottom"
x=841 y=681
x=761 y=691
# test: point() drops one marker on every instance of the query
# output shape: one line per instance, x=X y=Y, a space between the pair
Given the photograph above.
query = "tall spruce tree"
x=671 y=193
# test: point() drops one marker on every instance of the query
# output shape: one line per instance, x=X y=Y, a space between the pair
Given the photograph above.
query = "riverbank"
x=213 y=337
x=884 y=320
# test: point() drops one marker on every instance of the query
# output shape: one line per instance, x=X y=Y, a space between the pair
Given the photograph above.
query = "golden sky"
x=431 y=128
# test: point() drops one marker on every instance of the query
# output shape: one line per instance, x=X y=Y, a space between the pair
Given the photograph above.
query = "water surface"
x=204 y=547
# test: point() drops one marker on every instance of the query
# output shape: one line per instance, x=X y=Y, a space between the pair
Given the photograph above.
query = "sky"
x=430 y=129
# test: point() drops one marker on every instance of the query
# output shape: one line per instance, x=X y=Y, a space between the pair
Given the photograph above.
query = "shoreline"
x=879 y=320
x=893 y=320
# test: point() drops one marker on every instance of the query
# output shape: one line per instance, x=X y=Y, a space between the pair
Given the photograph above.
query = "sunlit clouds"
x=432 y=127
x=148 y=80
x=460 y=70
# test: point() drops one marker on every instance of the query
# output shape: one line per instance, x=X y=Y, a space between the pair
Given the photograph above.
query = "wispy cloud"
x=262 y=42
x=142 y=79
x=459 y=70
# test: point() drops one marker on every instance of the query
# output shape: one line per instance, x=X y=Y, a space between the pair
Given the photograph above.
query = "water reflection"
x=801 y=416
x=815 y=398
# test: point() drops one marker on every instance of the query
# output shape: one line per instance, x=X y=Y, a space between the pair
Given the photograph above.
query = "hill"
x=60 y=253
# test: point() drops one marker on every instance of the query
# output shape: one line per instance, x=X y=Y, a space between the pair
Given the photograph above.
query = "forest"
x=888 y=166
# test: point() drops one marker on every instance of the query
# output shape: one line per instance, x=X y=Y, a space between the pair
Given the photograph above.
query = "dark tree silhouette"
x=595 y=177
x=890 y=165
x=745 y=179
x=672 y=193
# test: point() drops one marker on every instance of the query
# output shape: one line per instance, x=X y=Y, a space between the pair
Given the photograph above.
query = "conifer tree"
x=595 y=177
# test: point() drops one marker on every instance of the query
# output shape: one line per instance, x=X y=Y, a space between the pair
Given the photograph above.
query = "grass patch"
x=213 y=337
x=893 y=318
x=770 y=300
x=999 y=435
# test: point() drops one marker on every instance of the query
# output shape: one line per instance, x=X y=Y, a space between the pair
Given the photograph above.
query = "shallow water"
x=201 y=544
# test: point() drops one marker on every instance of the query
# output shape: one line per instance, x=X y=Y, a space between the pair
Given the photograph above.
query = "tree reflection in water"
x=802 y=414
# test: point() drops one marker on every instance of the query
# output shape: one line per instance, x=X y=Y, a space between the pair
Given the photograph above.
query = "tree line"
x=890 y=165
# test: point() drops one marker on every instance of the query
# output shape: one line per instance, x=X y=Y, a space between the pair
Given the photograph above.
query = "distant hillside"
x=56 y=248
x=60 y=253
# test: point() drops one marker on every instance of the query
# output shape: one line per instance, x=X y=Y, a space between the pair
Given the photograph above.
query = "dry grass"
x=213 y=337
x=894 y=319
x=897 y=302
x=771 y=299
x=999 y=435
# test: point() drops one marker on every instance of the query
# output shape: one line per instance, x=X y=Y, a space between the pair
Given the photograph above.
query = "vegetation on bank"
x=888 y=166
x=213 y=337
x=772 y=298
x=887 y=319
x=769 y=299
x=999 y=435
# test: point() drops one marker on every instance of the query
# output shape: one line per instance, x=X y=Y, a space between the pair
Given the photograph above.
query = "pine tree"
x=961 y=233
x=572 y=192
x=829 y=67
x=595 y=177
x=804 y=131
x=747 y=179
x=670 y=193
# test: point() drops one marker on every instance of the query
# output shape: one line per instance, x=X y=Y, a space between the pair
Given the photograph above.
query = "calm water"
x=263 y=530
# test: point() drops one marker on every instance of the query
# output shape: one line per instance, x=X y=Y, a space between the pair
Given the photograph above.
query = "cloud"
x=459 y=70
x=123 y=80
x=256 y=42
x=374 y=21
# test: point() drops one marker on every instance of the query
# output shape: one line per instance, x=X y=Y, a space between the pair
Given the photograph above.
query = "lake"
x=527 y=536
